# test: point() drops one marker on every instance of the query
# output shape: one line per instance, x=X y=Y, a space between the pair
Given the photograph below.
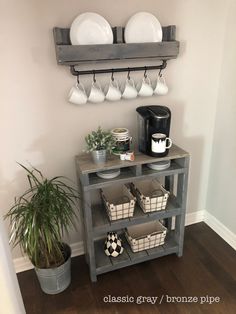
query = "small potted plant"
x=38 y=220
x=98 y=143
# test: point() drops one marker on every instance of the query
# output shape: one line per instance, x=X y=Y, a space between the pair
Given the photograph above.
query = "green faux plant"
x=100 y=140
x=40 y=217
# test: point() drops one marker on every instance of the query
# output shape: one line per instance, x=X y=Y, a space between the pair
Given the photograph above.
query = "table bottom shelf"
x=105 y=264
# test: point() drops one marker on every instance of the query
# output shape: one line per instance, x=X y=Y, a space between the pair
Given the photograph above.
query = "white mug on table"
x=159 y=142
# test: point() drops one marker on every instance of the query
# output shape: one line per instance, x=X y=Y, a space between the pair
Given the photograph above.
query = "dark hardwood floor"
x=207 y=271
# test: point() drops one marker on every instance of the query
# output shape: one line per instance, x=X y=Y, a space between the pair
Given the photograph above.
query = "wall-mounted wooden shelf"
x=68 y=54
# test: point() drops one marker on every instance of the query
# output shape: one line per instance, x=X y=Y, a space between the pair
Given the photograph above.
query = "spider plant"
x=40 y=217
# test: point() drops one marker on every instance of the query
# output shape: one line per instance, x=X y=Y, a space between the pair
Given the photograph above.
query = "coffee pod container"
x=122 y=139
x=127 y=156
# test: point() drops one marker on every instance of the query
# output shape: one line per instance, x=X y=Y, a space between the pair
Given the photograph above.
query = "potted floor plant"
x=38 y=219
x=99 y=143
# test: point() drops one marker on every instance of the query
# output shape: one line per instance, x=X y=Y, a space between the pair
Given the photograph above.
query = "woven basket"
x=119 y=202
x=150 y=194
x=146 y=236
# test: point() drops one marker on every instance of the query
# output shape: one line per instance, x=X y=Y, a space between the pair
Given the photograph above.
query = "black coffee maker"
x=151 y=120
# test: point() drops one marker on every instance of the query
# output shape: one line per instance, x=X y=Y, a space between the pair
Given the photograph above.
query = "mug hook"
x=128 y=75
x=160 y=74
x=145 y=72
x=94 y=76
x=78 y=78
x=112 y=75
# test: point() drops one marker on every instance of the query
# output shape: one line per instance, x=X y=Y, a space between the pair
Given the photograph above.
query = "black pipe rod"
x=116 y=70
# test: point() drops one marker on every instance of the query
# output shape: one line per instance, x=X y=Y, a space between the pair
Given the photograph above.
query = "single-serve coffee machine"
x=153 y=130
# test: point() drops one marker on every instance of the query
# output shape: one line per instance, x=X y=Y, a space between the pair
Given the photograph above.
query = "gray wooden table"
x=96 y=222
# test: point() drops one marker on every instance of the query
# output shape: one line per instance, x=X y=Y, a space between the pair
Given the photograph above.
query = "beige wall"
x=39 y=126
x=221 y=192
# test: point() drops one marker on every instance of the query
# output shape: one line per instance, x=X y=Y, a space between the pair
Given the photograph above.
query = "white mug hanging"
x=112 y=91
x=160 y=87
x=128 y=89
x=96 y=94
x=77 y=94
x=144 y=87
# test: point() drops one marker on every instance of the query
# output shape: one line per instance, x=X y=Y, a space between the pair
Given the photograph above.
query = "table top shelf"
x=87 y=166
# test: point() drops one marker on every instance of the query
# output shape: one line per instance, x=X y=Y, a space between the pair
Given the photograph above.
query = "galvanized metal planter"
x=55 y=280
x=99 y=156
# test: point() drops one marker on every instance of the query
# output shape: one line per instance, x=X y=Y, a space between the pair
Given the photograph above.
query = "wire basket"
x=119 y=202
x=151 y=195
x=146 y=236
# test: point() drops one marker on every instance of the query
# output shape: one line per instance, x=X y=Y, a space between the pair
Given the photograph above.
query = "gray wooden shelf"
x=127 y=174
x=102 y=224
x=105 y=264
x=95 y=219
x=86 y=165
x=68 y=54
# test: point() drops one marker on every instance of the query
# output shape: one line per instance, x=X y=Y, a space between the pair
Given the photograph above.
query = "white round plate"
x=108 y=174
x=90 y=29
x=161 y=165
x=143 y=27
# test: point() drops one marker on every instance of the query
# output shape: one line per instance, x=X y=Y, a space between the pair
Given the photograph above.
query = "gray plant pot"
x=99 y=156
x=55 y=280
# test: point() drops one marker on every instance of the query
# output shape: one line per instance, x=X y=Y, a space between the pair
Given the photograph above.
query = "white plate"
x=143 y=27
x=108 y=174
x=161 y=165
x=90 y=29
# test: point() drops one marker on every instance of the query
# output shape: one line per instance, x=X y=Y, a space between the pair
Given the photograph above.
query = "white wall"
x=221 y=192
x=10 y=296
x=39 y=126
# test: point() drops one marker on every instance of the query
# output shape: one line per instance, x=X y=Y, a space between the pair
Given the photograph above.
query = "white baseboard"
x=226 y=234
x=195 y=217
x=23 y=263
x=77 y=248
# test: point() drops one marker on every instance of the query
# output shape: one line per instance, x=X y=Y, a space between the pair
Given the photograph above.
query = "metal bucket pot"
x=55 y=280
x=99 y=156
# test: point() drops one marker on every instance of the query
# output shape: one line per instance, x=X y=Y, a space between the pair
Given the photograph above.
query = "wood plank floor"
x=207 y=269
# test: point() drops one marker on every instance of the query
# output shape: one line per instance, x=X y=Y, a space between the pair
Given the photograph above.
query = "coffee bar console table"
x=96 y=222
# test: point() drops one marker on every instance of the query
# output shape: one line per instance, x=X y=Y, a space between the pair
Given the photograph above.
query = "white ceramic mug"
x=112 y=91
x=159 y=142
x=128 y=90
x=96 y=94
x=144 y=87
x=77 y=94
x=160 y=87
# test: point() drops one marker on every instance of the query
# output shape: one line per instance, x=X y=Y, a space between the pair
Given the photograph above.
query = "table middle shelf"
x=102 y=224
